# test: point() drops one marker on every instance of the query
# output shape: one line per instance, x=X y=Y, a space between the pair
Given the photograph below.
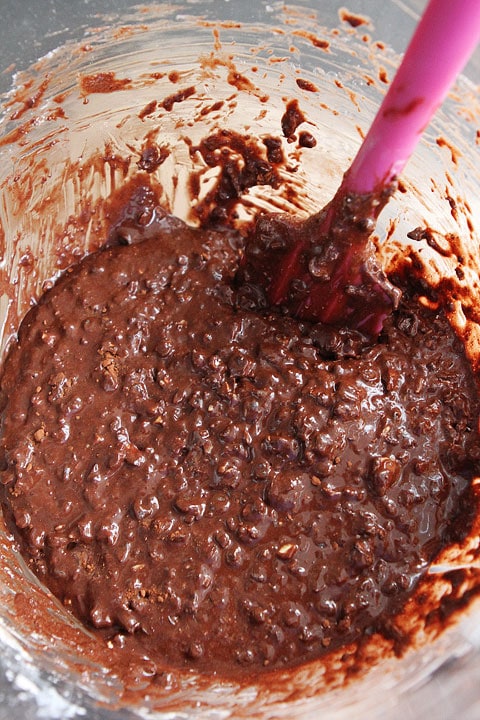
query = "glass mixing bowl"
x=54 y=129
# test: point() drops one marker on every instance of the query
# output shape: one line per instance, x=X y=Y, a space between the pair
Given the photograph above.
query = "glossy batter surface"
x=227 y=489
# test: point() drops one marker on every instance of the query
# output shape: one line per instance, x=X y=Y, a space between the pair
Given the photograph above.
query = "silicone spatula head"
x=324 y=269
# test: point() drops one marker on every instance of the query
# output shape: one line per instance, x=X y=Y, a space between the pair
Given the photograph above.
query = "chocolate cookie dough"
x=221 y=487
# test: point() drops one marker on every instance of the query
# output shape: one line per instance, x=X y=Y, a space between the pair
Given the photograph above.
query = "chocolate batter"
x=221 y=486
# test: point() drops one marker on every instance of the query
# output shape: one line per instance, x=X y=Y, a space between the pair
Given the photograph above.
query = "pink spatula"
x=323 y=268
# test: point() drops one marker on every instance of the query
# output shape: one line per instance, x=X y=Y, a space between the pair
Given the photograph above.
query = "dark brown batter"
x=227 y=489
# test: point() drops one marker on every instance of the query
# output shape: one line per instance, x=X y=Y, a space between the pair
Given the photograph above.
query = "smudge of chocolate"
x=240 y=81
x=243 y=164
x=31 y=100
x=306 y=139
x=291 y=119
x=152 y=157
x=168 y=103
x=103 y=82
x=148 y=109
x=454 y=153
x=306 y=85
x=427 y=235
x=352 y=19
x=395 y=112
x=274 y=150
x=316 y=41
x=382 y=76
x=215 y=107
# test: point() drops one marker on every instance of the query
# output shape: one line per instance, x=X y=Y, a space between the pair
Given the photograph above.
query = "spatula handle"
x=441 y=46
